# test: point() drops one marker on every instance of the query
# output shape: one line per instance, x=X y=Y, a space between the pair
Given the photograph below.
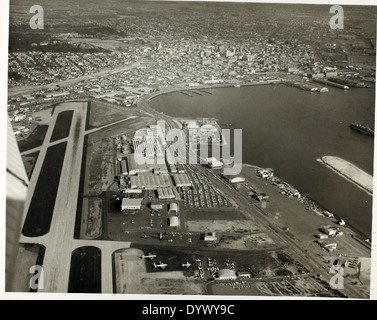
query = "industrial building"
x=213 y=163
x=135 y=167
x=330 y=231
x=259 y=196
x=226 y=274
x=150 y=181
x=210 y=236
x=123 y=167
x=173 y=207
x=181 y=180
x=233 y=179
x=165 y=193
x=157 y=166
x=131 y=204
x=149 y=143
x=328 y=246
x=244 y=274
x=174 y=222
x=155 y=205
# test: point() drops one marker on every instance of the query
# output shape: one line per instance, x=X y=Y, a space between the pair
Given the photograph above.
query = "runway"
x=59 y=241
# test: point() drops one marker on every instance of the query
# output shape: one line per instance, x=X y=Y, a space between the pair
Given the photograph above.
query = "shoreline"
x=145 y=100
x=350 y=172
x=357 y=234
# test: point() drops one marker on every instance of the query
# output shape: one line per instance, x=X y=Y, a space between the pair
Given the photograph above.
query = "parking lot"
x=202 y=194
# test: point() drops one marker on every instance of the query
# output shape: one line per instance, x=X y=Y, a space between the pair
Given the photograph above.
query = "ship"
x=363 y=128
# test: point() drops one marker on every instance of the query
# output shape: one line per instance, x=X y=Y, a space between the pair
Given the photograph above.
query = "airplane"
x=187 y=264
x=149 y=256
x=160 y=265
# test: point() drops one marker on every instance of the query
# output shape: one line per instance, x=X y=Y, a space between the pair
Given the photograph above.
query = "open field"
x=246 y=242
x=306 y=286
x=238 y=226
x=35 y=139
x=29 y=161
x=99 y=165
x=203 y=214
x=100 y=154
x=131 y=276
x=30 y=253
x=101 y=114
x=91 y=218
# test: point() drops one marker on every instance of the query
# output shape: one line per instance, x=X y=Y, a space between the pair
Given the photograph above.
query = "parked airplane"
x=149 y=256
x=160 y=265
x=187 y=264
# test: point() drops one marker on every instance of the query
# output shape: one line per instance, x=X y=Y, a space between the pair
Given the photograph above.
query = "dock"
x=303 y=86
x=186 y=93
x=330 y=83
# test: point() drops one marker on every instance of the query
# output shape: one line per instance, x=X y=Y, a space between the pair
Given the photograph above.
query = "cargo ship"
x=363 y=128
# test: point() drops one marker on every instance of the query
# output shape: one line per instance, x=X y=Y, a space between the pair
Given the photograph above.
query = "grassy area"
x=29 y=161
x=101 y=114
x=34 y=140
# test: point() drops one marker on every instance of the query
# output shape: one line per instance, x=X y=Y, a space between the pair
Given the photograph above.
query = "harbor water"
x=288 y=129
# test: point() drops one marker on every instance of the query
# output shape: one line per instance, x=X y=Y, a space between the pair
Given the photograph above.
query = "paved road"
x=22 y=90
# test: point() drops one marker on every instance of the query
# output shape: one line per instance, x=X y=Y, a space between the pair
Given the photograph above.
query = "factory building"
x=165 y=193
x=123 y=167
x=233 y=179
x=156 y=205
x=157 y=166
x=226 y=274
x=133 y=193
x=131 y=204
x=213 y=163
x=150 y=144
x=181 y=180
x=150 y=181
x=174 y=222
x=173 y=207
x=210 y=236
x=327 y=245
x=134 y=167
x=244 y=274
x=330 y=231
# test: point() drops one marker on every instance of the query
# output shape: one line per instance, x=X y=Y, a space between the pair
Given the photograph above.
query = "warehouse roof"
x=131 y=202
x=150 y=181
x=181 y=180
x=165 y=192
x=174 y=221
x=227 y=274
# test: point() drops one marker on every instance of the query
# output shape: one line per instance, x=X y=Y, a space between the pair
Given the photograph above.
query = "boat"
x=363 y=128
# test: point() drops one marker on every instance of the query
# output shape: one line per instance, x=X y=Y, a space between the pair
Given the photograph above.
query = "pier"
x=185 y=93
x=206 y=91
x=330 y=83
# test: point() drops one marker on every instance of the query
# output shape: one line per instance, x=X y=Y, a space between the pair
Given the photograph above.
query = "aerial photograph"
x=190 y=148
